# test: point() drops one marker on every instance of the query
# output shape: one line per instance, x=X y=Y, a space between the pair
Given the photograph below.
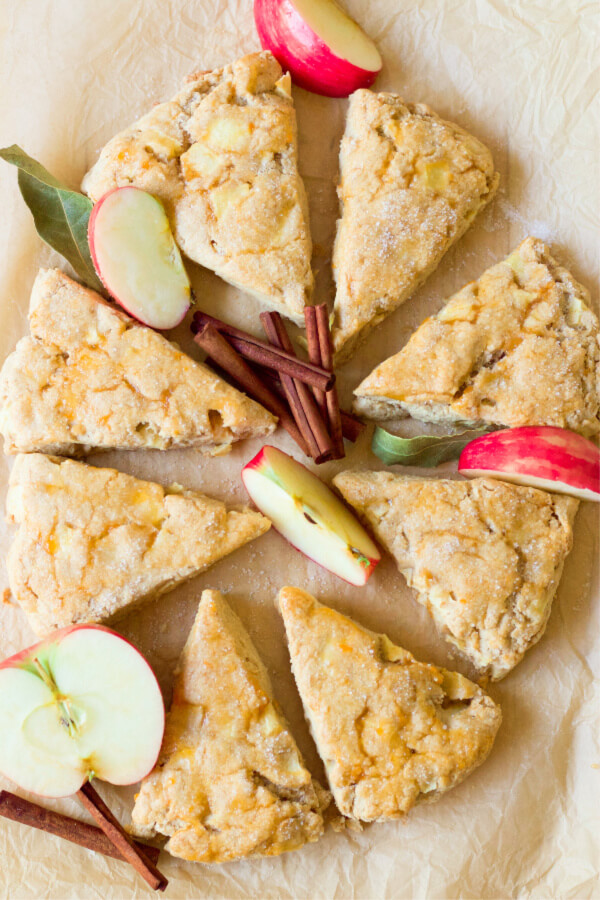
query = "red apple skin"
x=548 y=453
x=23 y=657
x=261 y=460
x=313 y=66
x=92 y=228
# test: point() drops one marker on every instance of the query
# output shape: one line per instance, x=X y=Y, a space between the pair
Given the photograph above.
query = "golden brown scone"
x=484 y=556
x=91 y=377
x=411 y=184
x=93 y=543
x=222 y=157
x=230 y=781
x=520 y=346
x=390 y=730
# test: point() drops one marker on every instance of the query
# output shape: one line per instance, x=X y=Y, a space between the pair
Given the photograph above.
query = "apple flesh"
x=552 y=459
x=309 y=515
x=137 y=259
x=324 y=49
x=82 y=703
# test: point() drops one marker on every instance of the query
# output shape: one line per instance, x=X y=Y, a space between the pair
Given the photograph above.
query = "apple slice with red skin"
x=324 y=49
x=545 y=457
x=137 y=259
x=309 y=515
x=81 y=703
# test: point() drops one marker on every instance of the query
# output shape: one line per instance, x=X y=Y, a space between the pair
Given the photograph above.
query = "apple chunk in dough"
x=82 y=703
x=309 y=515
x=137 y=259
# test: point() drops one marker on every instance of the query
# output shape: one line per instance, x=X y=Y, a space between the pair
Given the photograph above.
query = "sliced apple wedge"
x=323 y=48
x=83 y=702
x=309 y=515
x=552 y=459
x=137 y=259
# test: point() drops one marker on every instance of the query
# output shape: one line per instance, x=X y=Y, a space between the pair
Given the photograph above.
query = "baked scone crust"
x=411 y=184
x=519 y=346
x=230 y=781
x=91 y=377
x=94 y=543
x=390 y=730
x=222 y=157
x=484 y=556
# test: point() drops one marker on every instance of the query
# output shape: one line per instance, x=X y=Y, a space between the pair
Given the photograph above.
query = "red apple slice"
x=137 y=259
x=323 y=48
x=309 y=515
x=83 y=702
x=552 y=459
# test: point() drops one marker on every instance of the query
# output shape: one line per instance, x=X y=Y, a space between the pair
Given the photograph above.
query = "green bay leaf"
x=60 y=215
x=425 y=450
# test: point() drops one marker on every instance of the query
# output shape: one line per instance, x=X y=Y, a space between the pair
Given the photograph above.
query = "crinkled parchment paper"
x=520 y=75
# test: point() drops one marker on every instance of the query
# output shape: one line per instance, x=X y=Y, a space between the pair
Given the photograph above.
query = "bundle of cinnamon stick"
x=110 y=838
x=301 y=394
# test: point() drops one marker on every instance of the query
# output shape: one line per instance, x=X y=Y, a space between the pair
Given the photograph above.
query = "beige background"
x=520 y=75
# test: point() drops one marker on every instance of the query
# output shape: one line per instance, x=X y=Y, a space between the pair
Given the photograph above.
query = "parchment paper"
x=520 y=75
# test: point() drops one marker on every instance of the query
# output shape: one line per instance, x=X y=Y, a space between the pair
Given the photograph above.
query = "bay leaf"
x=424 y=450
x=60 y=215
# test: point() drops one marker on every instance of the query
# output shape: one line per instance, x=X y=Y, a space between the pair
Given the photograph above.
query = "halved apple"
x=323 y=48
x=309 y=515
x=81 y=703
x=552 y=459
x=137 y=259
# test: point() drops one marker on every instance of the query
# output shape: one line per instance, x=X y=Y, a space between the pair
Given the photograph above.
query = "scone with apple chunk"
x=230 y=781
x=94 y=543
x=484 y=556
x=519 y=346
x=89 y=377
x=222 y=157
x=391 y=731
x=411 y=184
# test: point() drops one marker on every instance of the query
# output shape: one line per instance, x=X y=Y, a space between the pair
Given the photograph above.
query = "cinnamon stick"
x=115 y=832
x=219 y=349
x=352 y=427
x=300 y=398
x=82 y=833
x=264 y=354
x=314 y=353
x=319 y=331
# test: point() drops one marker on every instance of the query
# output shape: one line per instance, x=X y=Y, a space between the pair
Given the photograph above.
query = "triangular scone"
x=390 y=730
x=93 y=543
x=411 y=184
x=230 y=781
x=484 y=556
x=222 y=157
x=517 y=347
x=91 y=377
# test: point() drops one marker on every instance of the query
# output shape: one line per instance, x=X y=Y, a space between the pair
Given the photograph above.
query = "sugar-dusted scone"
x=91 y=377
x=484 y=556
x=94 y=543
x=222 y=157
x=411 y=184
x=391 y=731
x=230 y=781
x=520 y=346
